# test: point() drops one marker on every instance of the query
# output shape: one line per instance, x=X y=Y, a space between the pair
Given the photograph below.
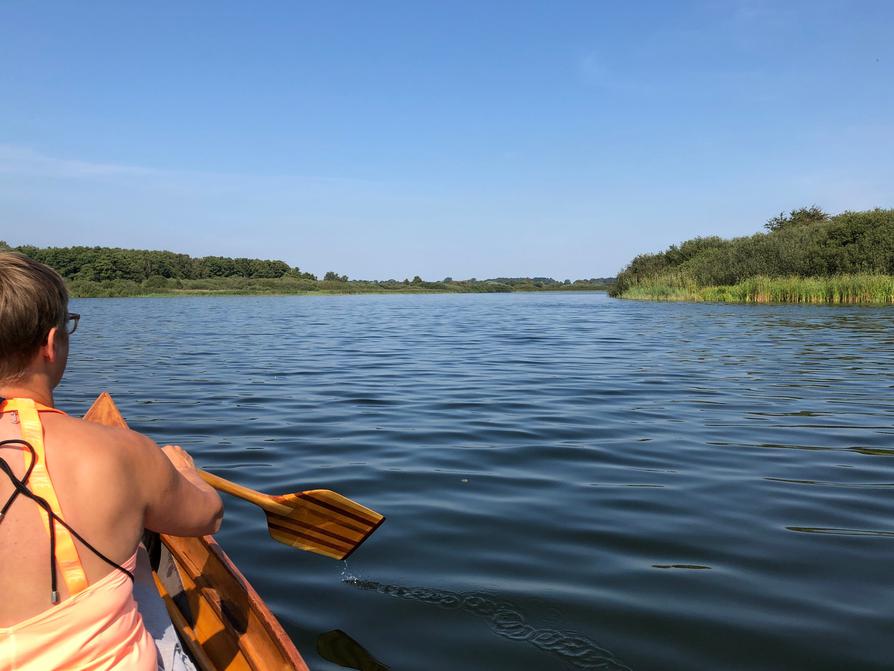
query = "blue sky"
x=470 y=139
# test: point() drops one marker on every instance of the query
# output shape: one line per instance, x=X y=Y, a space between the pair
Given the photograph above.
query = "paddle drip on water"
x=346 y=575
x=506 y=620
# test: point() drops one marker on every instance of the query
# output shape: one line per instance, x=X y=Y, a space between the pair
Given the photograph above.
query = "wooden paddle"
x=318 y=520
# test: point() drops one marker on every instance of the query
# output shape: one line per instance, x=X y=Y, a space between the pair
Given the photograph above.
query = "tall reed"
x=837 y=289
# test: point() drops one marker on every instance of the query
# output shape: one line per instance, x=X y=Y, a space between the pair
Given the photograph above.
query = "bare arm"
x=178 y=501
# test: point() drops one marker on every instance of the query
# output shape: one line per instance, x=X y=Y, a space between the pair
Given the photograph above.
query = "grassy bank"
x=839 y=289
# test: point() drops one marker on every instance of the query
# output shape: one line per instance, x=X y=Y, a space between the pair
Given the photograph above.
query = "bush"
x=156 y=282
x=805 y=243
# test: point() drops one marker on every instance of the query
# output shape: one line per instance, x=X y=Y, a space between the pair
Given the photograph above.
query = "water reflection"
x=843 y=485
x=843 y=532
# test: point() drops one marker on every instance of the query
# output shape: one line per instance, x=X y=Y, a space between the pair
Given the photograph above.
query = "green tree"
x=800 y=217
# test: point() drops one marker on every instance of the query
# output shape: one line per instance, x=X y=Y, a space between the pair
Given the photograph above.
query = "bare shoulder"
x=135 y=472
x=106 y=441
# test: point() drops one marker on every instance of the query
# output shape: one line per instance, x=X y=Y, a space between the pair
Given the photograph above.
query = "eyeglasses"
x=71 y=322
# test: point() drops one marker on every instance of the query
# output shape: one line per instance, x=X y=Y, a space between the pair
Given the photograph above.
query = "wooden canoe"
x=221 y=620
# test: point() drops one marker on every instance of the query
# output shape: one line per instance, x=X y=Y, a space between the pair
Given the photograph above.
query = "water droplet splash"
x=347 y=575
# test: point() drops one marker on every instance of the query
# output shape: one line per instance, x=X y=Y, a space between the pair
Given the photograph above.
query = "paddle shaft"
x=263 y=500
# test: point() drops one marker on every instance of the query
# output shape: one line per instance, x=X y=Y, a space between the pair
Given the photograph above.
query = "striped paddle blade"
x=321 y=521
x=318 y=520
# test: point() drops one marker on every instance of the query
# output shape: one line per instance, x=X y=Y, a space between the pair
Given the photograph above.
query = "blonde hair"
x=33 y=299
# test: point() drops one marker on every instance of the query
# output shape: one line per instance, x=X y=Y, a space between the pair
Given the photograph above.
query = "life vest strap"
x=40 y=484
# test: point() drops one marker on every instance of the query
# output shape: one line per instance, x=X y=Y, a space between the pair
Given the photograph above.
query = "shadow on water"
x=336 y=646
x=506 y=620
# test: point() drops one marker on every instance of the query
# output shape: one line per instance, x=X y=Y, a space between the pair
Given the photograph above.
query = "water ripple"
x=686 y=486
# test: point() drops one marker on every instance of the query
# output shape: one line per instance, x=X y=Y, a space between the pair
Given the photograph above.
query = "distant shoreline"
x=104 y=272
x=331 y=292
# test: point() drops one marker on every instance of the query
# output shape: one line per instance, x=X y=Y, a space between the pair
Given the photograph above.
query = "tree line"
x=109 y=271
x=102 y=264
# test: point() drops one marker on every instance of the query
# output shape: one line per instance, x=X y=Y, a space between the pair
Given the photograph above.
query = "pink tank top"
x=98 y=628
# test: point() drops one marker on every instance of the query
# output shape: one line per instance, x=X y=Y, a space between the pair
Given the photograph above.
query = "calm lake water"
x=571 y=482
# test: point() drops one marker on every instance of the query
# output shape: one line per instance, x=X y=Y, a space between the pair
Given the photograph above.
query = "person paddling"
x=75 y=498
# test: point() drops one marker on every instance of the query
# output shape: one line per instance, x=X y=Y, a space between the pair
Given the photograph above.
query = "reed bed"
x=837 y=289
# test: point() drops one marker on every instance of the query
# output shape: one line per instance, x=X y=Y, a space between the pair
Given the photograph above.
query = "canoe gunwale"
x=185 y=552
